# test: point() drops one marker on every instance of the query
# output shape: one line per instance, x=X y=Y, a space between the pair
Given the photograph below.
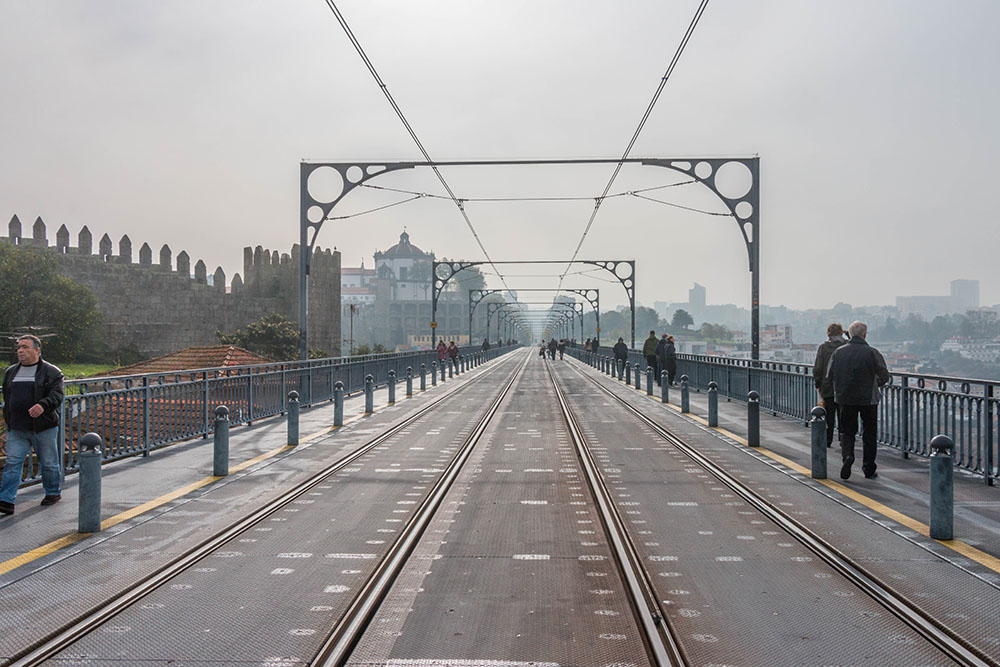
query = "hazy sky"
x=183 y=122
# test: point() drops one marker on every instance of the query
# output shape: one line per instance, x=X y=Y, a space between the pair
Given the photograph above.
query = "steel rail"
x=953 y=646
x=662 y=645
x=338 y=645
x=60 y=639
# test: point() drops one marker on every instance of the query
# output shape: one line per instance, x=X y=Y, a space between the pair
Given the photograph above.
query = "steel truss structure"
x=315 y=209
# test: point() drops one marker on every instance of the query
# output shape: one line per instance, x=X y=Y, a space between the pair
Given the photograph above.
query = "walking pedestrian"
x=552 y=349
x=586 y=345
x=670 y=360
x=824 y=386
x=541 y=349
x=858 y=372
x=442 y=352
x=649 y=351
x=453 y=354
x=620 y=350
x=661 y=357
x=486 y=344
x=32 y=394
x=562 y=347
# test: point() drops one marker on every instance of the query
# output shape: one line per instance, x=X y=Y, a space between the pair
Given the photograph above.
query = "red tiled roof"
x=191 y=358
x=355 y=271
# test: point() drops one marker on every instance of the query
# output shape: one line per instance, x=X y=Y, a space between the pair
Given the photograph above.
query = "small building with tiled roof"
x=192 y=358
x=404 y=271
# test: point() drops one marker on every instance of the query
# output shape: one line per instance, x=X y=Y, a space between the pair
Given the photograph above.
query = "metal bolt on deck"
x=942 y=488
x=338 y=403
x=220 y=444
x=685 y=395
x=753 y=419
x=713 y=404
x=818 y=425
x=293 y=418
x=89 y=505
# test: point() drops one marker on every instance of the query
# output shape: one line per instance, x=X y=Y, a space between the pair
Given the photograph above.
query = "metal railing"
x=136 y=414
x=914 y=407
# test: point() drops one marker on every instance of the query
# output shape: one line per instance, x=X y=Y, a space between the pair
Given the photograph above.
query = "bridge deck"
x=515 y=565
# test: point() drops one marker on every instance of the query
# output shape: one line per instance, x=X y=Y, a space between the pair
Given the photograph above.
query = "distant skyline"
x=875 y=124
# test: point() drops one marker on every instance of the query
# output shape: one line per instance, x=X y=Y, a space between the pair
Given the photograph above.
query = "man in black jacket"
x=32 y=394
x=620 y=351
x=824 y=387
x=857 y=372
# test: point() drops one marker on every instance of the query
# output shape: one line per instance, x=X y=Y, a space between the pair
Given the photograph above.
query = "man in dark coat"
x=824 y=387
x=661 y=357
x=32 y=395
x=552 y=348
x=649 y=352
x=857 y=372
x=620 y=351
x=670 y=360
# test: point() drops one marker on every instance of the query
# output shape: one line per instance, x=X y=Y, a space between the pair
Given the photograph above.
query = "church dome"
x=402 y=249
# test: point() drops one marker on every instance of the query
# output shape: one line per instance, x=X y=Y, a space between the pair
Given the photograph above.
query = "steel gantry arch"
x=592 y=295
x=341 y=178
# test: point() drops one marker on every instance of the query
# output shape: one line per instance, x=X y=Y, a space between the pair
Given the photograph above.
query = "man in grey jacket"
x=858 y=371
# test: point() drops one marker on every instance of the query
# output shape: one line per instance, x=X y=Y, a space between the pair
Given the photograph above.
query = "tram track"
x=953 y=647
x=59 y=640
x=663 y=647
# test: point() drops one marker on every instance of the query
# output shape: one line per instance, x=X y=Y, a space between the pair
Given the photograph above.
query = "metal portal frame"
x=575 y=309
x=622 y=269
x=314 y=211
x=477 y=295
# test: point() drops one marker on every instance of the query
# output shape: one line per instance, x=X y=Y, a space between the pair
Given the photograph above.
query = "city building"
x=964 y=296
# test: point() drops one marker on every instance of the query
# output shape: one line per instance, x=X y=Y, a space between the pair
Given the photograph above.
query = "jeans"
x=869 y=435
x=46 y=448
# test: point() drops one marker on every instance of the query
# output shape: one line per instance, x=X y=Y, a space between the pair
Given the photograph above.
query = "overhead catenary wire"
x=409 y=128
x=642 y=123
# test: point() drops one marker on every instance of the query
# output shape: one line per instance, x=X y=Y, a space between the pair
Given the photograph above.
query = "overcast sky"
x=184 y=122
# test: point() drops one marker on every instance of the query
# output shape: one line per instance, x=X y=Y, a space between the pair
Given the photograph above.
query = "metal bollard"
x=649 y=380
x=423 y=377
x=753 y=419
x=434 y=373
x=664 y=387
x=942 y=488
x=713 y=404
x=220 y=457
x=293 y=418
x=628 y=373
x=369 y=394
x=818 y=425
x=392 y=387
x=638 y=378
x=620 y=363
x=451 y=368
x=443 y=364
x=409 y=381
x=89 y=506
x=685 y=395
x=338 y=403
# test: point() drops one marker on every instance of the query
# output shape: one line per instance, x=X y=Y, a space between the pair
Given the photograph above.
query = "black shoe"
x=874 y=475
x=51 y=500
x=6 y=508
x=845 y=470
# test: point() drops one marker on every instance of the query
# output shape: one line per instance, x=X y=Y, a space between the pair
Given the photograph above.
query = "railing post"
x=423 y=377
x=685 y=395
x=338 y=403
x=753 y=419
x=89 y=504
x=409 y=381
x=904 y=417
x=249 y=396
x=293 y=418
x=942 y=489
x=818 y=425
x=664 y=387
x=649 y=380
x=204 y=379
x=369 y=394
x=713 y=404
x=988 y=463
x=147 y=416
x=220 y=444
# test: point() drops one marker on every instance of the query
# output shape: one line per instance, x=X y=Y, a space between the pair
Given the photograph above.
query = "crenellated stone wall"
x=163 y=306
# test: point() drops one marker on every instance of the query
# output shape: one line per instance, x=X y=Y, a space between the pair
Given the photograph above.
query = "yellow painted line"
x=73 y=538
x=963 y=548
